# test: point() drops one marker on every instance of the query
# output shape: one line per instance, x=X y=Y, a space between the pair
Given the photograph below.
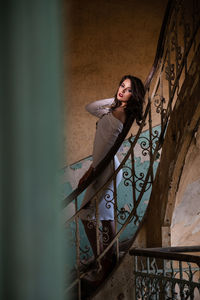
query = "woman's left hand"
x=85 y=176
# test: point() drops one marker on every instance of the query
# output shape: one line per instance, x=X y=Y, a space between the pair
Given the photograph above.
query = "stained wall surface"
x=185 y=228
x=104 y=41
x=177 y=179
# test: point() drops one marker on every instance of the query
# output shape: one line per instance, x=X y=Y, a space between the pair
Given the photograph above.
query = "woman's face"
x=125 y=91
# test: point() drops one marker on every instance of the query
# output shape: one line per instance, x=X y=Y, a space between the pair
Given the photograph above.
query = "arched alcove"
x=179 y=157
x=185 y=226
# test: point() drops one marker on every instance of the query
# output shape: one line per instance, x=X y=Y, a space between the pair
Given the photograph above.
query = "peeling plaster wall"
x=105 y=40
x=185 y=228
x=176 y=150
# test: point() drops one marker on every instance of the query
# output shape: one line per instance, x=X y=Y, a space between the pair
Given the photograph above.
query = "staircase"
x=178 y=44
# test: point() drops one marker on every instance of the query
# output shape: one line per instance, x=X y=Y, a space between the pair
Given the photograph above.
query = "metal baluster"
x=161 y=97
x=194 y=12
x=142 y=279
x=150 y=138
x=135 y=268
x=115 y=208
x=168 y=75
x=173 y=291
x=78 y=250
x=149 y=279
x=185 y=39
x=133 y=175
x=177 y=48
x=181 y=285
x=197 y=10
x=164 y=288
x=97 y=227
x=191 y=279
x=196 y=17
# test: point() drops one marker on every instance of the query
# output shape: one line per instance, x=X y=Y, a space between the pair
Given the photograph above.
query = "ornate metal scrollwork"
x=105 y=235
x=149 y=145
x=166 y=281
x=109 y=198
x=85 y=254
x=170 y=72
x=186 y=26
x=145 y=145
x=154 y=266
x=127 y=175
x=187 y=30
x=179 y=54
x=173 y=43
x=137 y=179
x=122 y=215
x=159 y=101
x=140 y=183
x=91 y=224
x=178 y=51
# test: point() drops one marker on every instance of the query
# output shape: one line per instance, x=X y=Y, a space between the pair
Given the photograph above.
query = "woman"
x=113 y=114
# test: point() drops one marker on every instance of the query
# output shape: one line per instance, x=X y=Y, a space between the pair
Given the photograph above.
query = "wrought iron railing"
x=178 y=42
x=165 y=273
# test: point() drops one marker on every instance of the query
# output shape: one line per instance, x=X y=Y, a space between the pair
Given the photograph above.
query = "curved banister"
x=172 y=249
x=161 y=42
x=107 y=159
x=173 y=255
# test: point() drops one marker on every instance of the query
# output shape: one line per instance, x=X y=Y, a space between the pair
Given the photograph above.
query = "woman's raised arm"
x=100 y=107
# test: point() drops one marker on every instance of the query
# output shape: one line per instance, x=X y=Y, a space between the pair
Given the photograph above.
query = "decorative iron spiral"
x=139 y=183
x=108 y=198
x=84 y=254
x=122 y=215
x=127 y=175
x=105 y=235
x=145 y=145
x=170 y=72
x=91 y=224
x=158 y=103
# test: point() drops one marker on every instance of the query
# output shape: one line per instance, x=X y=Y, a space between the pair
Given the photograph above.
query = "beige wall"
x=105 y=40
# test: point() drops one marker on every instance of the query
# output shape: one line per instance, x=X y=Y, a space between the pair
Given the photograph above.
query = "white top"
x=108 y=128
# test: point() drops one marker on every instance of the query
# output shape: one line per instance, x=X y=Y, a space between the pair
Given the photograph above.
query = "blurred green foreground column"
x=32 y=259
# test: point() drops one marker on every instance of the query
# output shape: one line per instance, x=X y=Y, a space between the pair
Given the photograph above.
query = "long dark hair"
x=136 y=101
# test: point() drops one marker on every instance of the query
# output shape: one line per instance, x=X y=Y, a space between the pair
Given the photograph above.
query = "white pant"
x=105 y=199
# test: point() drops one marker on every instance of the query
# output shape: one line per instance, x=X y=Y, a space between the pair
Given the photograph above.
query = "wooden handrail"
x=176 y=249
x=169 y=253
